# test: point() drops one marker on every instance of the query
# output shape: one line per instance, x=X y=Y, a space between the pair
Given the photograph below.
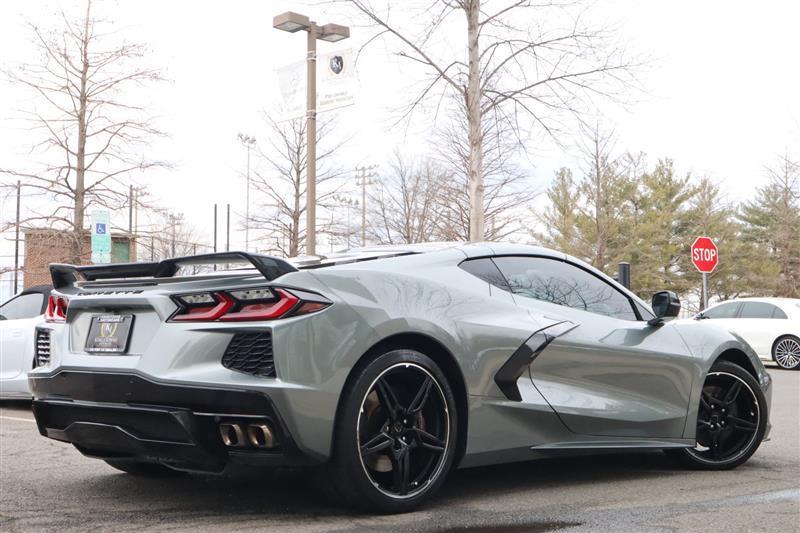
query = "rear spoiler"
x=66 y=275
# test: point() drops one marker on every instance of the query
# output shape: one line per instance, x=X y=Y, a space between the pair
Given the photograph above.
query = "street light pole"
x=311 y=140
x=294 y=22
x=348 y=203
x=248 y=143
x=16 y=239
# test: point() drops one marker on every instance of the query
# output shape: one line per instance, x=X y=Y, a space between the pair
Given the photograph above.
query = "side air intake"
x=251 y=353
x=42 y=347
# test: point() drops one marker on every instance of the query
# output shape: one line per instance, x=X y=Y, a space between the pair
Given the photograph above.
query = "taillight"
x=56 y=309
x=262 y=303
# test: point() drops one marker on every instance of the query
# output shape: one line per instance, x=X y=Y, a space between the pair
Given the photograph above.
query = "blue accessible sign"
x=101 y=237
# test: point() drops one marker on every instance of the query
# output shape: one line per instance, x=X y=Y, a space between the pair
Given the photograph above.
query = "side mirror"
x=666 y=304
x=3 y=318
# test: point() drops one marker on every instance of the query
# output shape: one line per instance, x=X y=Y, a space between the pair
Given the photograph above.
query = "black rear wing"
x=66 y=275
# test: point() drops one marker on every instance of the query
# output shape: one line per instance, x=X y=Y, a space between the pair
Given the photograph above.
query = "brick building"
x=45 y=246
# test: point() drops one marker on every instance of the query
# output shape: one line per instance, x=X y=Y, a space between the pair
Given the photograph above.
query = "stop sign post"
x=705 y=258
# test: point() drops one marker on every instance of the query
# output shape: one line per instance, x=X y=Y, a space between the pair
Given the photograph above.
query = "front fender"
x=707 y=343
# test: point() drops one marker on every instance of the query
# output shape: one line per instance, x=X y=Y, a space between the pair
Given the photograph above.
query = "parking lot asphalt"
x=48 y=486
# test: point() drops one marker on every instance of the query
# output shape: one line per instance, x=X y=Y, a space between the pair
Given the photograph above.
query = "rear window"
x=760 y=310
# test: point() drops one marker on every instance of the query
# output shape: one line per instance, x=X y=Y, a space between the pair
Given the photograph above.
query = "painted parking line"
x=18 y=419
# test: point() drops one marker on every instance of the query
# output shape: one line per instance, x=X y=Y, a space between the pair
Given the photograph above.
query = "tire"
x=144 y=469
x=395 y=434
x=786 y=352
x=731 y=420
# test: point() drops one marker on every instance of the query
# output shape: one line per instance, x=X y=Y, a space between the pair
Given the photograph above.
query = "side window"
x=760 y=310
x=722 y=311
x=486 y=270
x=561 y=283
x=25 y=306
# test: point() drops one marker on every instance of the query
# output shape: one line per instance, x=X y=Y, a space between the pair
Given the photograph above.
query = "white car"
x=19 y=339
x=770 y=325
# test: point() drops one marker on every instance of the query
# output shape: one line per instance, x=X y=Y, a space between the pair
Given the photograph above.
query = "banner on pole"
x=101 y=237
x=336 y=84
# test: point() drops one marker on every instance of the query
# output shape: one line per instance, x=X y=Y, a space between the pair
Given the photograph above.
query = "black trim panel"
x=125 y=415
x=508 y=374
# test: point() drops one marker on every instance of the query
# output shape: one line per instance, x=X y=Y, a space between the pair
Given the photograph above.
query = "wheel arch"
x=434 y=349
x=738 y=357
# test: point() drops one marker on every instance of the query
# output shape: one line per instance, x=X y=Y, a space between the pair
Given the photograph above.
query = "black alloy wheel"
x=731 y=419
x=395 y=438
x=403 y=430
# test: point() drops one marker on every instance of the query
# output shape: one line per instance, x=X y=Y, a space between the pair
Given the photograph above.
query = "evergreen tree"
x=603 y=214
x=772 y=221
x=559 y=217
x=744 y=268
x=660 y=234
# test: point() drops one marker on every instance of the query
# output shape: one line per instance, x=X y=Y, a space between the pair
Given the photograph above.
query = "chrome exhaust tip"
x=232 y=435
x=260 y=436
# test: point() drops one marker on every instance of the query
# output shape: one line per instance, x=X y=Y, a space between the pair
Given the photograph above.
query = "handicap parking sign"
x=101 y=237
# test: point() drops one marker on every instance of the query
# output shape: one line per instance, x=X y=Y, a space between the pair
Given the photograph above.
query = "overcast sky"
x=722 y=90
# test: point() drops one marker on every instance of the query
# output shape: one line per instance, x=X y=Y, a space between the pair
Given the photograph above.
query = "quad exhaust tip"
x=232 y=435
x=256 y=435
x=260 y=436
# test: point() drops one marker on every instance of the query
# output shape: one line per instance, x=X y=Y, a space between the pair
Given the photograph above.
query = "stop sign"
x=705 y=255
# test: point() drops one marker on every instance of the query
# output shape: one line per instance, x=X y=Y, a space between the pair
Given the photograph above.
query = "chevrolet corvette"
x=385 y=368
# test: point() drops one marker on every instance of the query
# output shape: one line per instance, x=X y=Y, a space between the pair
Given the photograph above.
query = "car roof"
x=789 y=305
x=470 y=249
x=764 y=299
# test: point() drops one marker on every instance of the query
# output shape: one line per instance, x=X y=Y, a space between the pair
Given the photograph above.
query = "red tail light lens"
x=56 y=309
x=265 y=303
x=210 y=308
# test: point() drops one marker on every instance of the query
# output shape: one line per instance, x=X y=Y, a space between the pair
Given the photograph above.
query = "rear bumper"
x=123 y=415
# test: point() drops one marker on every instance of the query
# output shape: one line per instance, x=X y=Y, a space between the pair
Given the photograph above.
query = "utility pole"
x=173 y=247
x=228 y=229
x=215 y=228
x=248 y=143
x=16 y=239
x=364 y=177
x=130 y=210
x=293 y=22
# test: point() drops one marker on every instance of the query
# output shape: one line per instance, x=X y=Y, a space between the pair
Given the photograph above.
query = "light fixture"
x=291 y=22
x=334 y=32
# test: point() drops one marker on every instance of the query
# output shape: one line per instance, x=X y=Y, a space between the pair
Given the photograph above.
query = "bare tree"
x=519 y=69
x=506 y=190
x=405 y=207
x=93 y=132
x=168 y=235
x=283 y=182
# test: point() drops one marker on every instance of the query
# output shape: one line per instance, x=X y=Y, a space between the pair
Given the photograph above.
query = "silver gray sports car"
x=385 y=367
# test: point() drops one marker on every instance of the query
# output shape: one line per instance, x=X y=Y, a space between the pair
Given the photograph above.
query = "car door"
x=18 y=317
x=759 y=324
x=613 y=374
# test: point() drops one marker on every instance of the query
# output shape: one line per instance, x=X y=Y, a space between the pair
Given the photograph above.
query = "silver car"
x=386 y=368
